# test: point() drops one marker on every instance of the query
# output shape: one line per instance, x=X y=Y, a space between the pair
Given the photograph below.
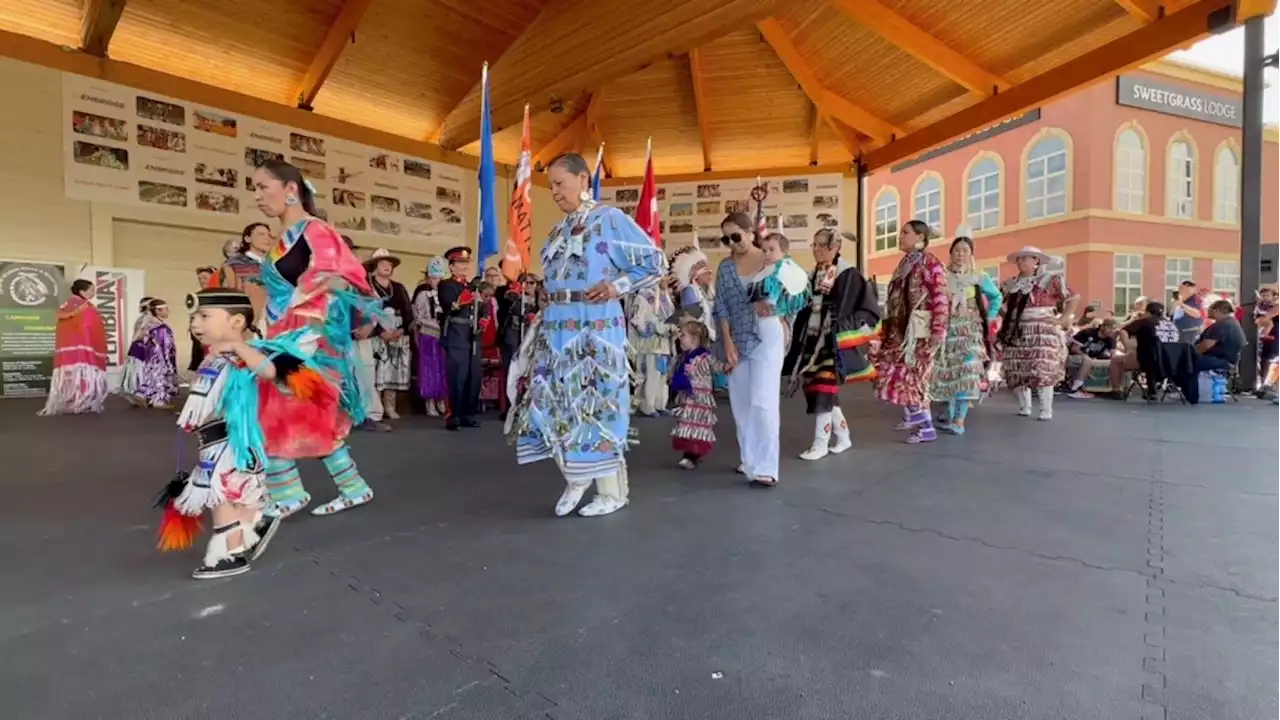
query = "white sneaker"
x=843 y=442
x=816 y=452
x=686 y=463
x=1045 y=414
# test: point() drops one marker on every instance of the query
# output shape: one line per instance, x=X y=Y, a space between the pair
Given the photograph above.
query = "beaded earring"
x=290 y=199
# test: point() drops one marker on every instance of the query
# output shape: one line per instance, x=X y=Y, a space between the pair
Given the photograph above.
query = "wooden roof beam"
x=98 y=24
x=638 y=34
x=815 y=130
x=922 y=45
x=341 y=32
x=1140 y=46
x=847 y=137
x=1144 y=10
x=566 y=141
x=700 y=107
x=833 y=106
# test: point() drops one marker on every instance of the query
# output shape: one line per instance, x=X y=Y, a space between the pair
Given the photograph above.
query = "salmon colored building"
x=1134 y=181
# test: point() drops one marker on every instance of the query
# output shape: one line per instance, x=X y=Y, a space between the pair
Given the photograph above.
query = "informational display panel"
x=30 y=293
x=798 y=206
x=132 y=147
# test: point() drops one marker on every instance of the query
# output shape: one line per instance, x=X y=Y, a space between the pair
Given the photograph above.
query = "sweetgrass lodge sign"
x=1181 y=100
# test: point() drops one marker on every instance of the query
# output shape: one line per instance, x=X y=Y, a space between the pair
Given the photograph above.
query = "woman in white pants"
x=752 y=349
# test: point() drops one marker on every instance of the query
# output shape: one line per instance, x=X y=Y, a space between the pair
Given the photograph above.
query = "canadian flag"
x=647 y=208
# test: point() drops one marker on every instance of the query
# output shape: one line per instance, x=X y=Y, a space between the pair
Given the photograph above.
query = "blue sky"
x=1226 y=52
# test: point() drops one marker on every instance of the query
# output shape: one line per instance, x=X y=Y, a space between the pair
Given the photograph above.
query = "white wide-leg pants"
x=755 y=388
x=365 y=375
x=653 y=389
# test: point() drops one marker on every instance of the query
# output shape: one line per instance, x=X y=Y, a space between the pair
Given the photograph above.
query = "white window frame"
x=1131 y=174
x=1036 y=201
x=1226 y=188
x=1177 y=270
x=987 y=215
x=1226 y=278
x=1126 y=274
x=1180 y=181
x=885 y=221
x=926 y=201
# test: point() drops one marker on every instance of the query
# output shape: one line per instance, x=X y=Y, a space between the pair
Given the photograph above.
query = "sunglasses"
x=731 y=239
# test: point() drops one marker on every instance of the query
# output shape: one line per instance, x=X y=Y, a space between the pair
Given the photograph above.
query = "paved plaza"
x=1119 y=562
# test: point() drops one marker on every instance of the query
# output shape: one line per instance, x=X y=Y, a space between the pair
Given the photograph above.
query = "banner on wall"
x=131 y=147
x=797 y=206
x=117 y=295
x=30 y=293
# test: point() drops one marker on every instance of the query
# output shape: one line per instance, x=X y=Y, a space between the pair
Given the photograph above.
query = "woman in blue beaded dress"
x=576 y=402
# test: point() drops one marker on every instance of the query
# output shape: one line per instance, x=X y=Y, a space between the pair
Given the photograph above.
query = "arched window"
x=982 y=193
x=927 y=201
x=1180 y=186
x=1131 y=172
x=1226 y=186
x=1047 y=180
x=885 y=223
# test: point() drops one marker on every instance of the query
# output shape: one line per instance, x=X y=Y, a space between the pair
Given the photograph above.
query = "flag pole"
x=475 y=294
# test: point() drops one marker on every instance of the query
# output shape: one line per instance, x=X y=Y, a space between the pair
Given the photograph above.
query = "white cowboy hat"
x=1031 y=251
x=964 y=231
x=379 y=255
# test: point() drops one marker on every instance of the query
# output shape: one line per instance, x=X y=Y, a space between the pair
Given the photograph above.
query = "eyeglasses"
x=731 y=239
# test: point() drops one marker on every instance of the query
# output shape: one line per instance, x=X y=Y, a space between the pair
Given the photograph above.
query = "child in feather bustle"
x=695 y=433
x=223 y=412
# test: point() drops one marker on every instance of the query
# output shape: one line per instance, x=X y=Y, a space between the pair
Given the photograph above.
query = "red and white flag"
x=647 y=208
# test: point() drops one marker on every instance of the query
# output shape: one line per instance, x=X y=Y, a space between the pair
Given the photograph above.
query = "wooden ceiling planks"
x=341 y=34
x=246 y=46
x=413 y=61
x=752 y=103
x=576 y=45
x=55 y=21
x=413 y=69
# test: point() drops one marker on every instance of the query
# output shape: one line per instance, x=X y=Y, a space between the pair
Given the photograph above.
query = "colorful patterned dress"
x=695 y=431
x=157 y=378
x=1035 y=349
x=961 y=366
x=79 y=382
x=576 y=406
x=914 y=327
x=314 y=281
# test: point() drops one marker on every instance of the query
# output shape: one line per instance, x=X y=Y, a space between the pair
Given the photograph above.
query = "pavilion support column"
x=1251 y=193
x=860 y=217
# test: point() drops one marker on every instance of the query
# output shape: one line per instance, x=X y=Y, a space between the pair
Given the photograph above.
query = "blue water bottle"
x=1219 y=388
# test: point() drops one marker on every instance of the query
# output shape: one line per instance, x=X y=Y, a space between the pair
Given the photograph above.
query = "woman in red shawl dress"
x=79 y=383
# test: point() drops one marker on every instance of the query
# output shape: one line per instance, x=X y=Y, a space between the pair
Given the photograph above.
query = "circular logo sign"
x=28 y=286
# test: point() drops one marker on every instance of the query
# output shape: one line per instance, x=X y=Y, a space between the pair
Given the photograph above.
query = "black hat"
x=455 y=254
x=218 y=298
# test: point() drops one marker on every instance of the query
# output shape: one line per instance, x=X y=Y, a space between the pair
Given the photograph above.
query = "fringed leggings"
x=285 y=484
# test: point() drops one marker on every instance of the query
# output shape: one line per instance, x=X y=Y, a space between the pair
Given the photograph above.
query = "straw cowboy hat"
x=1030 y=251
x=379 y=255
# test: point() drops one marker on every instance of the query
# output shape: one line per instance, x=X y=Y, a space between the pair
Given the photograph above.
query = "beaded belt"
x=567 y=296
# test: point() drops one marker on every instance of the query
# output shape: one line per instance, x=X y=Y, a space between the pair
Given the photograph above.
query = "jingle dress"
x=426 y=313
x=695 y=432
x=152 y=371
x=299 y=275
x=831 y=336
x=916 y=310
x=575 y=409
x=1035 y=350
x=79 y=381
x=961 y=366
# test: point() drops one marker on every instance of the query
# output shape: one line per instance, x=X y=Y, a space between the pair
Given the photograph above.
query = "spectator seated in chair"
x=1144 y=333
x=1090 y=349
x=1219 y=347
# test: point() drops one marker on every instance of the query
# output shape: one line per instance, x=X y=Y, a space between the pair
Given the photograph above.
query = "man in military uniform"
x=458 y=337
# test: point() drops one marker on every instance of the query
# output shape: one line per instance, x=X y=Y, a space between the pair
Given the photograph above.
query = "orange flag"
x=520 y=218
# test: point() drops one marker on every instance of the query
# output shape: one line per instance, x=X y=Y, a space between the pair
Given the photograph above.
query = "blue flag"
x=595 y=176
x=487 y=242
